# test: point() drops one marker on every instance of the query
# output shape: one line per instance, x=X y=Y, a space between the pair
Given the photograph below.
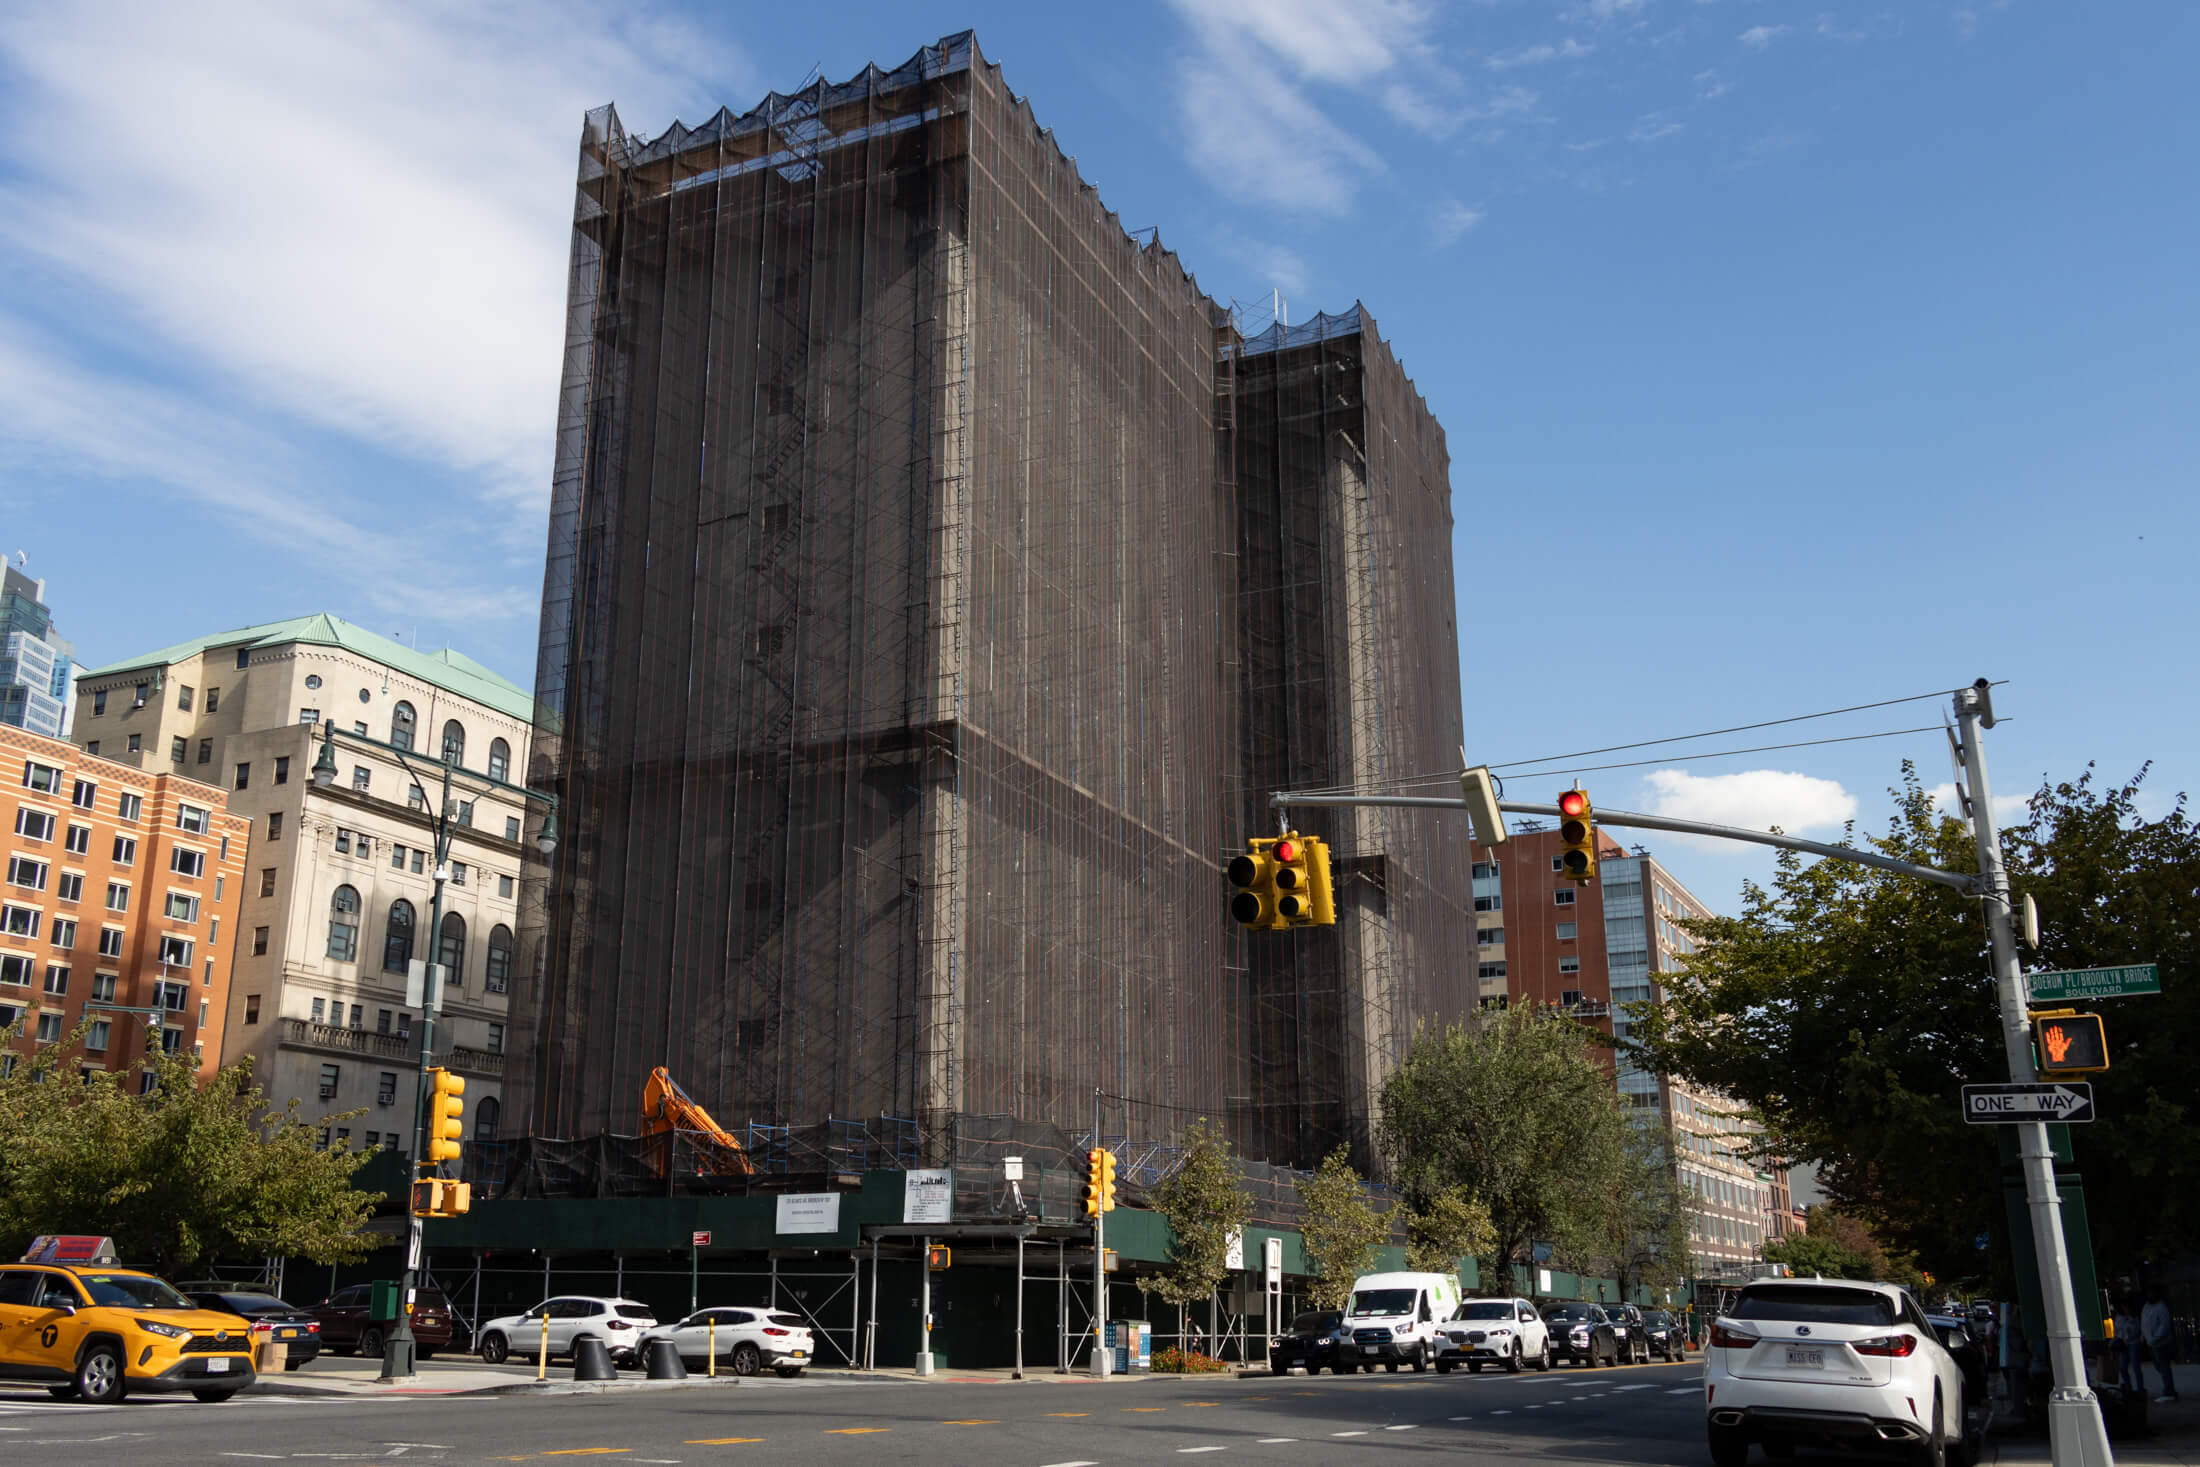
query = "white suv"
x=564 y=1322
x=1505 y=1332
x=748 y=1340
x=1832 y=1362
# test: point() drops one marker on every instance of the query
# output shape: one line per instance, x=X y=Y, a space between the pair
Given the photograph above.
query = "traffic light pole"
x=2076 y=1435
x=398 y=1347
x=1103 y=1359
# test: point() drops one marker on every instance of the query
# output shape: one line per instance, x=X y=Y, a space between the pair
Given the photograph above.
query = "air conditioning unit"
x=140 y=703
x=385 y=1100
x=328 y=1092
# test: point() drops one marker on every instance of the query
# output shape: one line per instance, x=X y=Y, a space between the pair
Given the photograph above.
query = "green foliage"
x=1848 y=1006
x=1838 y=1246
x=1519 y=1114
x=1448 y=1226
x=1341 y=1230
x=1173 y=1361
x=183 y=1175
x=1646 y=1225
x=1204 y=1205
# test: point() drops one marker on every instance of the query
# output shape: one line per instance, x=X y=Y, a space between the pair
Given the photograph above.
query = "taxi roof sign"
x=71 y=1248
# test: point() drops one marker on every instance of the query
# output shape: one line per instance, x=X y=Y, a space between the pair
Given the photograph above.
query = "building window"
x=357 y=1015
x=500 y=761
x=99 y=703
x=176 y=951
x=419 y=860
x=186 y=862
x=511 y=827
x=1483 y=870
x=401 y=726
x=1569 y=965
x=252 y=1008
x=1490 y=937
x=485 y=1118
x=129 y=807
x=397 y=938
x=1491 y=970
x=274 y=825
x=244 y=777
x=43 y=778
x=1490 y=903
x=49 y=1028
x=23 y=871
x=1568 y=931
x=259 y=942
x=385 y=1090
x=91 y=746
x=1563 y=898
x=57 y=979
x=343 y=925
x=267 y=881
x=16 y=971
x=183 y=697
x=79 y=841
x=496 y=1039
x=125 y=850
x=397 y=856
x=282 y=769
x=450 y=950
x=458 y=873
x=103 y=987
x=213 y=699
x=21 y=921
x=466 y=812
x=309 y=715
x=64 y=930
x=192 y=819
x=417 y=798
x=343 y=841
x=110 y=946
x=500 y=958
x=84 y=794
x=361 y=778
x=118 y=896
x=330 y=1076
x=96 y=1037
x=34 y=824
x=504 y=886
x=182 y=907
x=454 y=743
x=206 y=751
x=320 y=1006
x=179 y=748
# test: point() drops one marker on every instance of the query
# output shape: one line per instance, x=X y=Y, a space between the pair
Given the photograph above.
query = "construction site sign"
x=928 y=1196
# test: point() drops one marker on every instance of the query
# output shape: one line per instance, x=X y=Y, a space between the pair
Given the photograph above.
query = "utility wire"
x=1729 y=753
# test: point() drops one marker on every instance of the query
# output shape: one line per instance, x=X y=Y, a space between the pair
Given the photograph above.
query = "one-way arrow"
x=2008 y=1105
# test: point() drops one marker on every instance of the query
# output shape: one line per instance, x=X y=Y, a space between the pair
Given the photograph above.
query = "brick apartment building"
x=121 y=893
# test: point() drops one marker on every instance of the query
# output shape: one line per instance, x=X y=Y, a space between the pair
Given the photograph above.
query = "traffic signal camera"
x=446 y=1114
x=1099 y=1181
x=1577 y=834
x=2070 y=1043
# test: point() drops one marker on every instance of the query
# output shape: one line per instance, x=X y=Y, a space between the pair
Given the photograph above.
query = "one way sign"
x=2009 y=1105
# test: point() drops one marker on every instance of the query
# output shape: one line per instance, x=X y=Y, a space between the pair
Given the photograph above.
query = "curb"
x=517 y=1388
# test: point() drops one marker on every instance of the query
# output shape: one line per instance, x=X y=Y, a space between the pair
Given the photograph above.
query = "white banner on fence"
x=809 y=1212
x=928 y=1196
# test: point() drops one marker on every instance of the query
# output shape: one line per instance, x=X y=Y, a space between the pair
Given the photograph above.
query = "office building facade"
x=36 y=664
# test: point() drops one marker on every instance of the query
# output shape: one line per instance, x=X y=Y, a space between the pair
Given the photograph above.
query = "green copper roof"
x=454 y=672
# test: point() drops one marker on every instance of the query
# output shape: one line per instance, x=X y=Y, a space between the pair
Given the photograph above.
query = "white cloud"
x=1711 y=86
x=1453 y=220
x=1317 y=39
x=1653 y=127
x=2008 y=809
x=1758 y=37
x=1537 y=55
x=1755 y=799
x=357 y=217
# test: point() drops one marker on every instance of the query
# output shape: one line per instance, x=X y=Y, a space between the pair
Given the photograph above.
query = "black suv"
x=1582 y=1333
x=1634 y=1335
x=1668 y=1334
x=1311 y=1342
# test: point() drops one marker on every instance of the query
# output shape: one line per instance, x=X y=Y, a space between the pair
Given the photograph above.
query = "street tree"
x=1848 y=1006
x=1204 y=1205
x=1646 y=1221
x=1445 y=1227
x=1835 y=1245
x=1341 y=1229
x=178 y=1176
x=1519 y=1113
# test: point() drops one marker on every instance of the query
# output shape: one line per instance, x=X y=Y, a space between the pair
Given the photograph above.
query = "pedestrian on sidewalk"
x=2130 y=1346
x=2161 y=1339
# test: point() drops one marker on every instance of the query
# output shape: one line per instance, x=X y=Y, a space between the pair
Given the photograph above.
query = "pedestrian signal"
x=2070 y=1043
x=1577 y=835
x=939 y=1257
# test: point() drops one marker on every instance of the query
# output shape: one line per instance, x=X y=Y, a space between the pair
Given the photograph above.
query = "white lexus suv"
x=1832 y=1363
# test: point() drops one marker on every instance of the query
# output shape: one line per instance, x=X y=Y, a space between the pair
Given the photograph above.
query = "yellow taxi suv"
x=75 y=1323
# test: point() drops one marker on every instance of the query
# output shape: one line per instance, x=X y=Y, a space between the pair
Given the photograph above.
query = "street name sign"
x=2010 y=1105
x=2086 y=983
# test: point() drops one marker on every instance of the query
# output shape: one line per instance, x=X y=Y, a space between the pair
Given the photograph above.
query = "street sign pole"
x=2076 y=1435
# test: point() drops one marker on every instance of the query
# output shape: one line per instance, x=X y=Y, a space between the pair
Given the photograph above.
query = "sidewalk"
x=2172 y=1439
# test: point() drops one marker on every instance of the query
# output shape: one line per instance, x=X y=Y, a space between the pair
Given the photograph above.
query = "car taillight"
x=1726 y=1337
x=314 y=1328
x=1897 y=1346
x=263 y=1329
x=773 y=1329
x=620 y=1324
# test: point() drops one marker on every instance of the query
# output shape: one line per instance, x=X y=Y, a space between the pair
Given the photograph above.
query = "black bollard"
x=591 y=1361
x=664 y=1360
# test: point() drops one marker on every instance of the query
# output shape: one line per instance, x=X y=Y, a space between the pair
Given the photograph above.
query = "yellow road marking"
x=855 y=1430
x=721 y=1441
x=586 y=1451
x=1198 y=1403
x=1145 y=1408
x=972 y=1422
x=1069 y=1413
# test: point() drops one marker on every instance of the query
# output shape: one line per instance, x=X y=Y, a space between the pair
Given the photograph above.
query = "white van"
x=1396 y=1319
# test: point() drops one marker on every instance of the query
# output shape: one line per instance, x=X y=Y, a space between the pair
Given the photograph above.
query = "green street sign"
x=2085 y=983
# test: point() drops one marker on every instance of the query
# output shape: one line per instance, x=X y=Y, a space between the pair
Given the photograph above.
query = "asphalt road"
x=1640 y=1416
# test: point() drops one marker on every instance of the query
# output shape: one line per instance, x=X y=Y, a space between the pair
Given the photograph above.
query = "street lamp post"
x=398 y=1351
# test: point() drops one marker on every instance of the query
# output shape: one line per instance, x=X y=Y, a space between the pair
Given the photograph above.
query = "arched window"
x=500 y=761
x=454 y=743
x=500 y=958
x=450 y=951
x=401 y=726
x=343 y=925
x=397 y=942
x=485 y=1118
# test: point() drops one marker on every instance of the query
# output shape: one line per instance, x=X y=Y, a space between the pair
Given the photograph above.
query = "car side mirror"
x=1953 y=1338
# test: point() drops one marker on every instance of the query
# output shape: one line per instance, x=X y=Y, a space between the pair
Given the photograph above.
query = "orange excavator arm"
x=666 y=1107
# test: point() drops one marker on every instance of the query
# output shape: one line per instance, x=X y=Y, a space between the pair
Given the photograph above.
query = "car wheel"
x=1544 y=1361
x=1963 y=1451
x=747 y=1359
x=1420 y=1359
x=787 y=1372
x=99 y=1377
x=211 y=1397
x=370 y=1342
x=1474 y=1367
x=293 y=1364
x=493 y=1349
x=1391 y=1366
x=423 y=1353
x=1729 y=1448
x=1443 y=1367
x=1933 y=1451
x=1513 y=1361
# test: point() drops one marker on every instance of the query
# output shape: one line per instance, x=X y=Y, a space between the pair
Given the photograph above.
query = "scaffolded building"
x=937 y=584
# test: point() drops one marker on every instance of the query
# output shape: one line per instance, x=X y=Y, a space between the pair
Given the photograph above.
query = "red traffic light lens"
x=1572 y=802
x=1287 y=851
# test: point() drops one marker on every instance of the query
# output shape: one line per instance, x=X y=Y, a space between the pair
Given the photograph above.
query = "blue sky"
x=1791 y=355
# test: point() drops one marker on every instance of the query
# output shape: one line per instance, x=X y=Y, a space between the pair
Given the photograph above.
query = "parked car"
x=1505 y=1332
x=346 y=1328
x=1582 y=1333
x=1394 y=1319
x=1312 y=1341
x=270 y=1319
x=564 y=1322
x=1833 y=1363
x=88 y=1330
x=1960 y=1340
x=1668 y=1334
x=1632 y=1332
x=748 y=1340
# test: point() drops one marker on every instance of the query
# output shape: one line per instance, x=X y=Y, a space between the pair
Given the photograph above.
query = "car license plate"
x=216 y=1365
x=290 y=1334
x=1373 y=1349
x=798 y=1354
x=1808 y=1359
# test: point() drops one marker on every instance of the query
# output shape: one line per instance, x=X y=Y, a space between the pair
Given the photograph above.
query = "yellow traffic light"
x=1096 y=1172
x=1107 y=1181
x=2070 y=1043
x=446 y=1114
x=1254 y=875
x=427 y=1198
x=1577 y=834
x=1294 y=879
x=1320 y=896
